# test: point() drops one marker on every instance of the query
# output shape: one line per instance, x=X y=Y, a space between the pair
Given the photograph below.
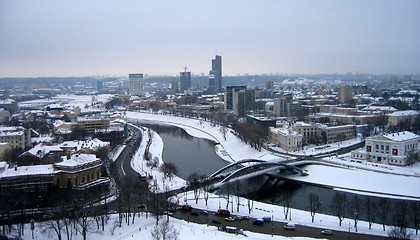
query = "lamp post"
x=272 y=224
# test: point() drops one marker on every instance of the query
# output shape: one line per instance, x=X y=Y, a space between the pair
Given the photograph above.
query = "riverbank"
x=235 y=148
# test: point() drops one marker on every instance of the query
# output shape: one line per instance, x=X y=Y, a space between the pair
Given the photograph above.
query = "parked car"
x=266 y=219
x=230 y=219
x=326 y=232
x=289 y=226
x=204 y=212
x=239 y=218
x=186 y=207
x=194 y=214
x=258 y=222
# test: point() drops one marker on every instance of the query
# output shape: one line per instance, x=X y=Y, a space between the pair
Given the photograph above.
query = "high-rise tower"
x=185 y=79
x=135 y=83
x=216 y=74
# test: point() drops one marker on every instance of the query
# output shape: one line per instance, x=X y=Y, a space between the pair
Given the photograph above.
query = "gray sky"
x=100 y=37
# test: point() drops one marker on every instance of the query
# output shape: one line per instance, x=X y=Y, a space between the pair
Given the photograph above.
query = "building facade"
x=16 y=137
x=407 y=118
x=135 y=83
x=216 y=71
x=285 y=138
x=242 y=102
x=345 y=94
x=76 y=172
x=185 y=79
x=90 y=124
x=390 y=148
x=228 y=98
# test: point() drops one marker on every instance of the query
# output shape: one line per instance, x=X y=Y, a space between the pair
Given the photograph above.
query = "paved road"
x=123 y=162
x=268 y=228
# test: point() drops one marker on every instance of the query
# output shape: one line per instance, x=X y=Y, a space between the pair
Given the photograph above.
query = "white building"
x=402 y=117
x=389 y=148
x=285 y=138
x=135 y=83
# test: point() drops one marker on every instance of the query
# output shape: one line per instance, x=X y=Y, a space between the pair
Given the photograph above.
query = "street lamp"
x=272 y=222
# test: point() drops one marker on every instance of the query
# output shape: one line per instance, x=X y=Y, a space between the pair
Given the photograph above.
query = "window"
x=394 y=151
x=368 y=148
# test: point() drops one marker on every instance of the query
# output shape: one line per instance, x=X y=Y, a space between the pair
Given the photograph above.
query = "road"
x=271 y=227
x=123 y=162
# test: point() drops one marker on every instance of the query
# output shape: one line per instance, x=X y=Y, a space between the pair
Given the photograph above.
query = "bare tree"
x=355 y=203
x=370 y=208
x=237 y=187
x=164 y=231
x=314 y=205
x=169 y=170
x=206 y=191
x=415 y=210
x=250 y=200
x=339 y=205
x=223 y=130
x=287 y=200
x=395 y=233
x=384 y=206
x=400 y=217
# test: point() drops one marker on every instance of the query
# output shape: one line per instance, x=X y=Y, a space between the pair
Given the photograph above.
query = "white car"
x=326 y=232
x=289 y=226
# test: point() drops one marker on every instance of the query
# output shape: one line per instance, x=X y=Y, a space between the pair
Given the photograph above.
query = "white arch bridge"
x=237 y=171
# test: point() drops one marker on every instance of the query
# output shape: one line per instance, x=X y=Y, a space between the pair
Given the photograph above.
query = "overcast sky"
x=100 y=37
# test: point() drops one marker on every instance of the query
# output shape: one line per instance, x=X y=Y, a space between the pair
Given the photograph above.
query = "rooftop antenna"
x=185 y=68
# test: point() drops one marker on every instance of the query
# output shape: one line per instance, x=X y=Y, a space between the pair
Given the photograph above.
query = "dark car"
x=217 y=221
x=258 y=222
x=194 y=214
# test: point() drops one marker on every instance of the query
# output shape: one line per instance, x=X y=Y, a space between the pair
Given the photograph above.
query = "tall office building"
x=212 y=87
x=229 y=90
x=216 y=74
x=345 y=94
x=185 y=80
x=281 y=105
x=243 y=101
x=135 y=83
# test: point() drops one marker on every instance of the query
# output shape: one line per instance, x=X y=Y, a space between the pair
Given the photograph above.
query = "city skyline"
x=49 y=38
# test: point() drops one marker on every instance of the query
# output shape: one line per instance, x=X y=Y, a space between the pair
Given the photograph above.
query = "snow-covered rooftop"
x=401 y=136
x=77 y=160
x=28 y=170
x=403 y=113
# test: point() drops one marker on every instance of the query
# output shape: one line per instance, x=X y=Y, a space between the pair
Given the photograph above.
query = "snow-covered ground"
x=143 y=226
x=231 y=148
x=370 y=182
x=86 y=103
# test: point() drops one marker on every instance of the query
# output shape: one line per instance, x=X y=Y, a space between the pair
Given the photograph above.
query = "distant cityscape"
x=50 y=148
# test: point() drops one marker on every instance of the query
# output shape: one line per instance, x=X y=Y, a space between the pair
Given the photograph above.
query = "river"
x=195 y=155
